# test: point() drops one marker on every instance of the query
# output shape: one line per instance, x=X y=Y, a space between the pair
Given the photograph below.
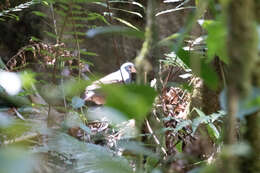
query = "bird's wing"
x=111 y=78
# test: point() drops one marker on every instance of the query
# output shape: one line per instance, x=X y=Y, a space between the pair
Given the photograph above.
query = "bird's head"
x=129 y=67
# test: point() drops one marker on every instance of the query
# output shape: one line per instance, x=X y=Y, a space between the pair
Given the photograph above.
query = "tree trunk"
x=242 y=51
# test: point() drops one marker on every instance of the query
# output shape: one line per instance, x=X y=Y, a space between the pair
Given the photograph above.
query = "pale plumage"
x=123 y=75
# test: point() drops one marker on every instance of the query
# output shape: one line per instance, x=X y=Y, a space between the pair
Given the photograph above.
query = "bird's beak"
x=133 y=70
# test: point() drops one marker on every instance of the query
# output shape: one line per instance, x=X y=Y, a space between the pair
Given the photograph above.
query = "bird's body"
x=123 y=75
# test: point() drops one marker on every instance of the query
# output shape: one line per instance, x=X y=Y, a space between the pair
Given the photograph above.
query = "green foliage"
x=28 y=79
x=216 y=39
x=128 y=2
x=202 y=68
x=126 y=23
x=138 y=148
x=38 y=13
x=10 y=11
x=208 y=120
x=88 y=157
x=130 y=101
x=134 y=101
x=74 y=87
x=116 y=30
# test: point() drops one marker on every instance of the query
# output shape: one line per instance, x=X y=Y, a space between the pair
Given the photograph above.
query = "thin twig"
x=155 y=137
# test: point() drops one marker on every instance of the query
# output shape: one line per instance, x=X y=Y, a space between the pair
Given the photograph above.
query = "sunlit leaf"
x=179 y=146
x=168 y=40
x=126 y=23
x=115 y=30
x=213 y=131
x=173 y=10
x=128 y=2
x=28 y=79
x=216 y=40
x=120 y=9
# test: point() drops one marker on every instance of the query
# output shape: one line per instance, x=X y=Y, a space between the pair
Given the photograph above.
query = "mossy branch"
x=142 y=63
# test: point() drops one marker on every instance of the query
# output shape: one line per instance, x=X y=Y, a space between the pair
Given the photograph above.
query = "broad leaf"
x=216 y=40
x=206 y=71
x=213 y=131
x=132 y=100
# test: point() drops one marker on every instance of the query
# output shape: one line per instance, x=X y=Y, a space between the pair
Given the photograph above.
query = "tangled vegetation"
x=191 y=107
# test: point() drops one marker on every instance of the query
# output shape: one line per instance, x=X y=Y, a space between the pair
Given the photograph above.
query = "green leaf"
x=38 y=13
x=199 y=120
x=213 y=131
x=120 y=9
x=168 y=40
x=28 y=79
x=135 y=101
x=88 y=53
x=51 y=34
x=209 y=75
x=116 y=30
x=75 y=87
x=128 y=2
x=206 y=71
x=89 y=157
x=137 y=148
x=126 y=23
x=34 y=38
x=200 y=113
x=184 y=56
x=179 y=146
x=174 y=10
x=95 y=16
x=181 y=125
x=216 y=40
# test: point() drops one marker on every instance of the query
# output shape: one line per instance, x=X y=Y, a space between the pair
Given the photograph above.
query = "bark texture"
x=242 y=51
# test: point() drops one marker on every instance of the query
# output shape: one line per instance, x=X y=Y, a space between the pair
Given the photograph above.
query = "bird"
x=123 y=75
